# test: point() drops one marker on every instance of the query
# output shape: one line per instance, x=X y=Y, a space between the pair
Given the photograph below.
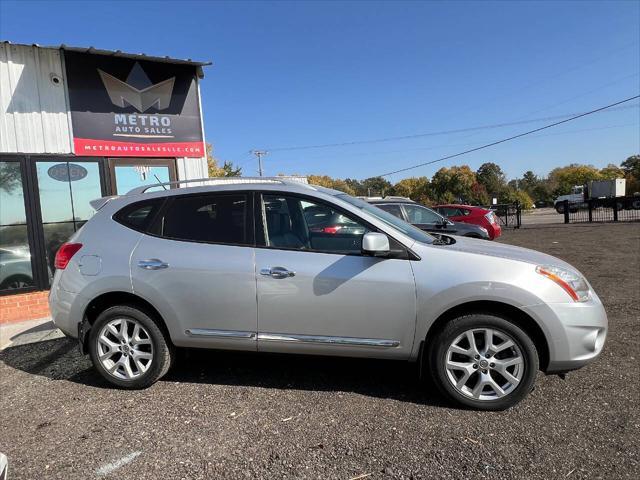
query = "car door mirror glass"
x=376 y=244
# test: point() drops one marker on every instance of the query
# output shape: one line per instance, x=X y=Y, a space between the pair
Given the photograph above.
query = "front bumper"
x=575 y=332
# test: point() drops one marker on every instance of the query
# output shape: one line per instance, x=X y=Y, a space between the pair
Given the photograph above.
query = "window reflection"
x=66 y=188
x=15 y=254
x=129 y=177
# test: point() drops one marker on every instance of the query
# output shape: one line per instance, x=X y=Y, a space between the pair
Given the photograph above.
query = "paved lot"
x=542 y=216
x=222 y=415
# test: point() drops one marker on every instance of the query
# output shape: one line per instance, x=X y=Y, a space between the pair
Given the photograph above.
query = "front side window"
x=389 y=219
x=300 y=224
x=213 y=218
x=420 y=215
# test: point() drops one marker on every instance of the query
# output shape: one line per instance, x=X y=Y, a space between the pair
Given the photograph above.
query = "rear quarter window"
x=138 y=216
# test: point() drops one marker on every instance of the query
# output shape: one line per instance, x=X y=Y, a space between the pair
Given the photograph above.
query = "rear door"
x=317 y=293
x=196 y=265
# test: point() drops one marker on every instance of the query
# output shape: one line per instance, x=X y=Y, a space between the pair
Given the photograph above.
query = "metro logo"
x=123 y=94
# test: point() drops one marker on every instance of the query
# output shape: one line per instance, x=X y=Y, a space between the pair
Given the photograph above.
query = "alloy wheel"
x=484 y=364
x=124 y=348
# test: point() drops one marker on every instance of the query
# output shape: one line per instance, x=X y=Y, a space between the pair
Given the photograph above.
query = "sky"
x=300 y=74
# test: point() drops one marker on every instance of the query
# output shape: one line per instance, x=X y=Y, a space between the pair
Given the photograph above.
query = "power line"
x=512 y=137
x=430 y=134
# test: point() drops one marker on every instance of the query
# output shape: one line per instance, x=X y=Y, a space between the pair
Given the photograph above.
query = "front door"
x=427 y=220
x=318 y=294
x=198 y=269
x=130 y=173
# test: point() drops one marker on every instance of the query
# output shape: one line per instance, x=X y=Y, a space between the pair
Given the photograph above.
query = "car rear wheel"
x=560 y=208
x=128 y=348
x=483 y=362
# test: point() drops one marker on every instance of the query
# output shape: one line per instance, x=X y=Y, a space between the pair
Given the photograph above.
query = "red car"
x=475 y=215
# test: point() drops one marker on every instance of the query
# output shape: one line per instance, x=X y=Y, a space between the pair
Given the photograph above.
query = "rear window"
x=139 y=215
x=211 y=218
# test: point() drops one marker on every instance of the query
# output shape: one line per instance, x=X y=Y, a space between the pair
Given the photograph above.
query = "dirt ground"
x=226 y=415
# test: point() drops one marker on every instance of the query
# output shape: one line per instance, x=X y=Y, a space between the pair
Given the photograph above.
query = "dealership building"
x=77 y=124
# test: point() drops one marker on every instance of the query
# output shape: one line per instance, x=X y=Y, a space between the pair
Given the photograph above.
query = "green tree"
x=491 y=177
x=226 y=170
x=631 y=167
x=453 y=184
x=416 y=188
x=377 y=186
x=563 y=178
x=511 y=195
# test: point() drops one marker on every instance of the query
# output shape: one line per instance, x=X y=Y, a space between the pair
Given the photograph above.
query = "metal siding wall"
x=33 y=110
x=192 y=168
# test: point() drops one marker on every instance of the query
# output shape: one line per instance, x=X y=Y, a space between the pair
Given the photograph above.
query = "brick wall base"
x=26 y=306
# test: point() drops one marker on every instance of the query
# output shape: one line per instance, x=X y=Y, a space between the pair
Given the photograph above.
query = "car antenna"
x=163 y=186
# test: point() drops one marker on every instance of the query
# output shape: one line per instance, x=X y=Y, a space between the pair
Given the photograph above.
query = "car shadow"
x=60 y=359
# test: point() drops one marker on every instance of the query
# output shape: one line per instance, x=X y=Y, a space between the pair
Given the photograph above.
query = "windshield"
x=391 y=220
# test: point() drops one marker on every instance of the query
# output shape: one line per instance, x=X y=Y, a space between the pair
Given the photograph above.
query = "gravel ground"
x=229 y=415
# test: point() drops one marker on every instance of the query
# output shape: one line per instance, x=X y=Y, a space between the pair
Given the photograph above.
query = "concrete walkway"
x=13 y=334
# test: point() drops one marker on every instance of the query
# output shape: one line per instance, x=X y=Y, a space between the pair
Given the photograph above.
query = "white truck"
x=594 y=189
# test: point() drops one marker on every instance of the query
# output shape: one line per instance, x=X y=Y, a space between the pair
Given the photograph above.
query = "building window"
x=16 y=271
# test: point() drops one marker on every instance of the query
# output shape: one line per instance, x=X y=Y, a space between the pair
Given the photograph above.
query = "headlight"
x=571 y=282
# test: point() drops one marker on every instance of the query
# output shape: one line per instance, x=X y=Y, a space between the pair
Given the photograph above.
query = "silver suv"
x=277 y=266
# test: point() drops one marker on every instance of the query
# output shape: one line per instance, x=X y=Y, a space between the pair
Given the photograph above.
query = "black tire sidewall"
x=442 y=341
x=162 y=352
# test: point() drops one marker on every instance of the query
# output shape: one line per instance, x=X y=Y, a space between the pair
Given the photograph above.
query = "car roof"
x=387 y=200
x=457 y=205
x=220 y=184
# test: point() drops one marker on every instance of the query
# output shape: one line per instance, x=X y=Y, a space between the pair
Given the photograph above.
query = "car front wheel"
x=483 y=362
x=128 y=348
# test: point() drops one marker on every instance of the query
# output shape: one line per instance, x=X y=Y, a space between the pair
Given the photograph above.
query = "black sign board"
x=133 y=108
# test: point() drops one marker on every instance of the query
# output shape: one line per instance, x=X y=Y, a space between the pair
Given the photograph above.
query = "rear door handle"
x=277 y=272
x=152 y=264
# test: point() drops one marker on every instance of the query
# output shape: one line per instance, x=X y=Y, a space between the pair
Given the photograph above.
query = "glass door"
x=65 y=190
x=130 y=173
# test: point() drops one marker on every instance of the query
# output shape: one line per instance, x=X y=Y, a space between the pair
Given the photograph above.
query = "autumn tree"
x=328 y=182
x=563 y=178
x=215 y=170
x=611 y=172
x=415 y=188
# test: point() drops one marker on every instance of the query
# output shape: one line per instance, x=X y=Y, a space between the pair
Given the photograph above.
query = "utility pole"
x=259 y=154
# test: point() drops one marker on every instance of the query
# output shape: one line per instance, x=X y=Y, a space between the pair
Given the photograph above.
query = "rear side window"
x=139 y=215
x=211 y=218
x=392 y=209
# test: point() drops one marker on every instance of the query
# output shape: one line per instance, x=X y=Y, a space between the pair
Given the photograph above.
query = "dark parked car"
x=426 y=219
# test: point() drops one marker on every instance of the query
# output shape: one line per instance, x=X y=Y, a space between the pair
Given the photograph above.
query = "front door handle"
x=152 y=264
x=277 y=272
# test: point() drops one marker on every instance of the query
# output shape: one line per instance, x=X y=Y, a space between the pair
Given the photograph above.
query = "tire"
x=560 y=208
x=147 y=351
x=472 y=393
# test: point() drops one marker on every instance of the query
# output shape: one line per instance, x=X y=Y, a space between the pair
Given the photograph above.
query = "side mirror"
x=375 y=244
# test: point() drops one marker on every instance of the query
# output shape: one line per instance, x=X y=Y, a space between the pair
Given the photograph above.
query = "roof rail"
x=219 y=181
